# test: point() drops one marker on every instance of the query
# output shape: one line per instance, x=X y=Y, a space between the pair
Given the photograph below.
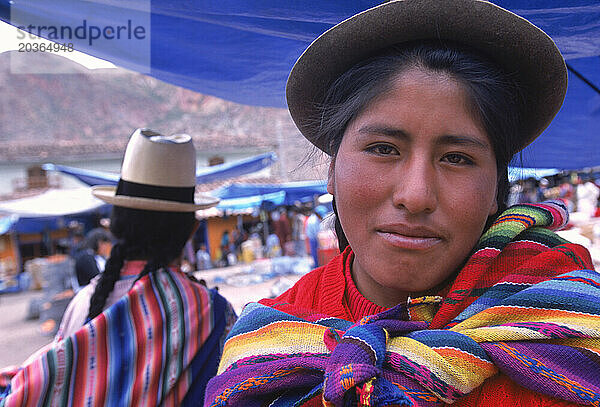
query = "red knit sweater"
x=330 y=290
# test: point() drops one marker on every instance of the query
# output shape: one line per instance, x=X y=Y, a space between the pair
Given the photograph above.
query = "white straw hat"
x=158 y=174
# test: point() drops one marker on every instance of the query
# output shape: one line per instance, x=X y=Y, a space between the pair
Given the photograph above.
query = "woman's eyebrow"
x=448 y=139
x=463 y=140
x=385 y=131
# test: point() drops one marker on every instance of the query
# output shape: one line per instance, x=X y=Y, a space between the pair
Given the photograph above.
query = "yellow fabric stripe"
x=300 y=337
x=462 y=376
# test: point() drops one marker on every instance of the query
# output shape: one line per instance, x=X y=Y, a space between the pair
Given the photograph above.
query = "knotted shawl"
x=527 y=304
x=158 y=345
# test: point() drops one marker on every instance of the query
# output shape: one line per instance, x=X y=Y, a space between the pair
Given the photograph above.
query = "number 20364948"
x=43 y=47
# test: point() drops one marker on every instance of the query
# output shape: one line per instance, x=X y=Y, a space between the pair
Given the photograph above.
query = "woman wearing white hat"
x=143 y=333
x=440 y=294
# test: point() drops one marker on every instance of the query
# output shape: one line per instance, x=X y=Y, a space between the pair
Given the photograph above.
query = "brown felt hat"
x=524 y=52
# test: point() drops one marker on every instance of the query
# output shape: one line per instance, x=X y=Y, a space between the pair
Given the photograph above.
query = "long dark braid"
x=109 y=277
x=155 y=236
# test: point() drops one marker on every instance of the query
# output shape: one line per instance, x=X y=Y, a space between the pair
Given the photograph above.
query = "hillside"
x=91 y=113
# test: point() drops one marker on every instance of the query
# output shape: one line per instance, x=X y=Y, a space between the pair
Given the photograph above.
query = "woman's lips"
x=405 y=241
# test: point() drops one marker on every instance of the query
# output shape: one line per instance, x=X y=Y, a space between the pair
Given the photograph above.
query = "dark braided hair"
x=155 y=236
x=495 y=100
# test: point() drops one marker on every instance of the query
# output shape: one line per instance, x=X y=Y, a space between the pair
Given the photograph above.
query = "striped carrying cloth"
x=158 y=345
x=526 y=304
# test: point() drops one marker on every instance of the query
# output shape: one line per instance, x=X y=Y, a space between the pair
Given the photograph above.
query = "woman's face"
x=414 y=181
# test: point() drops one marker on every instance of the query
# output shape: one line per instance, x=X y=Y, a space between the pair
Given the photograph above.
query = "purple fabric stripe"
x=295 y=380
x=530 y=368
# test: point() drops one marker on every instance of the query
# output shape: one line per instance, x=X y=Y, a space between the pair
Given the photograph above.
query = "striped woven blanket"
x=526 y=304
x=158 y=345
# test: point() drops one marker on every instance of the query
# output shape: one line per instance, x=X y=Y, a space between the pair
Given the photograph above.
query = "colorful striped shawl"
x=524 y=305
x=158 y=345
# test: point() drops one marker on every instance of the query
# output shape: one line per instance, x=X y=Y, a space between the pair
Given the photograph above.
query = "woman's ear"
x=494 y=208
x=331 y=177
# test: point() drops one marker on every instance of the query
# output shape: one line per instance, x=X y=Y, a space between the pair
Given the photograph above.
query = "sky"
x=9 y=42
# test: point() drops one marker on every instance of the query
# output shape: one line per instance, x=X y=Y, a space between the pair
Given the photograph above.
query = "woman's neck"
x=389 y=297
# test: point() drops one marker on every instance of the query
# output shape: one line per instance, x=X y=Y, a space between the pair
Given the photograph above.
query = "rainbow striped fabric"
x=158 y=345
x=525 y=304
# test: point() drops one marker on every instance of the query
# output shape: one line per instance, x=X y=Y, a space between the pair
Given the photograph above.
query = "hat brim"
x=107 y=194
x=525 y=52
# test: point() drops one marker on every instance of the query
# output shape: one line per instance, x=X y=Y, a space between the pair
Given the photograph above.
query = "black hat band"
x=174 y=194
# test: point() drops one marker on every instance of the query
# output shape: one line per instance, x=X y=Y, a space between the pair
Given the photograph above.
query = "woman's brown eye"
x=458 y=159
x=381 y=149
x=385 y=149
x=454 y=158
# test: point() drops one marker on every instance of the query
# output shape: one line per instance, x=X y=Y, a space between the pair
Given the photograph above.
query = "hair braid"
x=107 y=280
x=156 y=237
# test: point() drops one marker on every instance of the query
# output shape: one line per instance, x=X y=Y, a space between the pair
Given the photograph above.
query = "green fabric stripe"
x=500 y=234
x=69 y=373
x=164 y=304
x=51 y=378
x=181 y=307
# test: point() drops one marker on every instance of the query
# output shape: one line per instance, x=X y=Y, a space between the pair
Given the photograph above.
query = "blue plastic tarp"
x=254 y=201
x=52 y=210
x=243 y=51
x=204 y=175
x=88 y=177
x=302 y=191
x=7 y=222
x=517 y=173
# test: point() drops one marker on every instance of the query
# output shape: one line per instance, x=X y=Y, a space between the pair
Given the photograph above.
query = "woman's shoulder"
x=76 y=312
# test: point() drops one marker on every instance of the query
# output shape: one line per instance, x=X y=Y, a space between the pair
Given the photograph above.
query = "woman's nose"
x=415 y=187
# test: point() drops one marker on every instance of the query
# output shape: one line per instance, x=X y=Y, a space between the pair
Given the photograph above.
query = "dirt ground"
x=19 y=337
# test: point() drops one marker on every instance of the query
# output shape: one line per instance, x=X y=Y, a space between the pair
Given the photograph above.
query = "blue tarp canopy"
x=51 y=210
x=239 y=196
x=243 y=51
x=7 y=222
x=254 y=201
x=204 y=175
x=517 y=173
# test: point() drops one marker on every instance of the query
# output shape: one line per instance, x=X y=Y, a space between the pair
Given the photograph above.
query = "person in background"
x=586 y=193
x=239 y=237
x=148 y=334
x=440 y=295
x=282 y=228
x=225 y=249
x=313 y=227
x=91 y=258
x=298 y=234
x=272 y=243
x=203 y=261
x=543 y=190
x=566 y=192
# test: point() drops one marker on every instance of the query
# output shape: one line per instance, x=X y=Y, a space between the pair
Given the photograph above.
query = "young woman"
x=440 y=294
x=144 y=333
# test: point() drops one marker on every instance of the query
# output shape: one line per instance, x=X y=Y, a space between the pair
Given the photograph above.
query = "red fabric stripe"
x=138 y=315
x=101 y=364
x=81 y=367
x=155 y=364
